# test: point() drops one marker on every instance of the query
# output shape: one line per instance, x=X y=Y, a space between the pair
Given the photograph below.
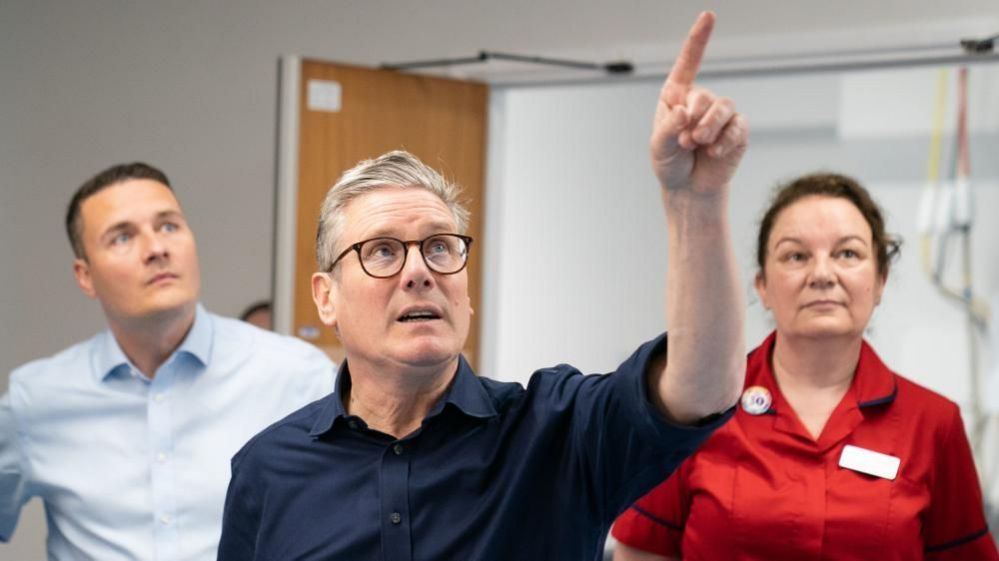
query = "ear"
x=81 y=270
x=760 y=283
x=322 y=289
x=879 y=288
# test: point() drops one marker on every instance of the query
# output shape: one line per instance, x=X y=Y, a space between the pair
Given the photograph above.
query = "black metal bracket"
x=977 y=46
x=616 y=67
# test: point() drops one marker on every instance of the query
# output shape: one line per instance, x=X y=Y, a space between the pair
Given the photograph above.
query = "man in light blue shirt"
x=127 y=437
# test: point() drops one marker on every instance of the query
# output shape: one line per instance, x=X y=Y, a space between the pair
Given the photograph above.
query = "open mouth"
x=419 y=315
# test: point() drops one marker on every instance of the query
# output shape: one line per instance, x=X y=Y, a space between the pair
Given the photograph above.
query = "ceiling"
x=646 y=32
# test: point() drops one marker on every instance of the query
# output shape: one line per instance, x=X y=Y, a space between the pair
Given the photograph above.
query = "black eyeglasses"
x=382 y=258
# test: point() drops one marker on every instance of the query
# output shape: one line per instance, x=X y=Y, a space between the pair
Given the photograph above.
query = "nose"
x=154 y=247
x=823 y=274
x=415 y=273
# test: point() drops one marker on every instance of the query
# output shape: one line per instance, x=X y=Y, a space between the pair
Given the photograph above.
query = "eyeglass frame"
x=356 y=247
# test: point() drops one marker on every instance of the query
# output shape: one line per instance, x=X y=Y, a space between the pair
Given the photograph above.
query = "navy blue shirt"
x=495 y=472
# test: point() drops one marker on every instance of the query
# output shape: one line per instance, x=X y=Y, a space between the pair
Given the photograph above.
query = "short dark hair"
x=111 y=176
x=261 y=306
x=838 y=186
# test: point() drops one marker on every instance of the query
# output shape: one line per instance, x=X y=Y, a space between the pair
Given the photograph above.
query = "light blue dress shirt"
x=136 y=469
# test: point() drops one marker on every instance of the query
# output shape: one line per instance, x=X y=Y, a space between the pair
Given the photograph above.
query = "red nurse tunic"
x=761 y=488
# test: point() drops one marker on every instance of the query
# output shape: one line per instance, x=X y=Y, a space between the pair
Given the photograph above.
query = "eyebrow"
x=125 y=225
x=169 y=214
x=844 y=239
x=434 y=228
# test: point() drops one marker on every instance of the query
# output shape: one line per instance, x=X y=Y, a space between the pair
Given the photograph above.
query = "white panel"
x=992 y=343
x=786 y=102
x=581 y=259
x=287 y=197
x=490 y=313
x=324 y=95
x=903 y=102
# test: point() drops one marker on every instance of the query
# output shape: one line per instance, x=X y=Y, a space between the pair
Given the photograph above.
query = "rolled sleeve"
x=655 y=427
x=955 y=522
x=655 y=522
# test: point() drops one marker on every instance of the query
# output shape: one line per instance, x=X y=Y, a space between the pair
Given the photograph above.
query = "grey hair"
x=392 y=169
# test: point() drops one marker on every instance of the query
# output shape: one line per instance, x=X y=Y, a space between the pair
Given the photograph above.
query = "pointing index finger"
x=681 y=76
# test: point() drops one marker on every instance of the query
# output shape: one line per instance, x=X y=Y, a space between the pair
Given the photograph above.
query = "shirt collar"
x=198 y=344
x=873 y=383
x=466 y=393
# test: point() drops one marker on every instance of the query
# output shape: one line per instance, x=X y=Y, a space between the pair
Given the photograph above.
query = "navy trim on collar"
x=881 y=400
x=874 y=383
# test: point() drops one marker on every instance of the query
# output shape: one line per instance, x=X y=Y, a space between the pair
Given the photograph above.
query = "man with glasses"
x=415 y=458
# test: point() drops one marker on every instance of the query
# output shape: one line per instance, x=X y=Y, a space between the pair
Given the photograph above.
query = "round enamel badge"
x=756 y=400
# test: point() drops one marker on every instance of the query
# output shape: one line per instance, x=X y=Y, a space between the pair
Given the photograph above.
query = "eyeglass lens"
x=444 y=253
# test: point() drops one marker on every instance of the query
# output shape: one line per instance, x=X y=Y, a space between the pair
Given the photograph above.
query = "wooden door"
x=441 y=121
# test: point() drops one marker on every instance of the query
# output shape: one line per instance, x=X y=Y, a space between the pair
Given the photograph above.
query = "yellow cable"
x=933 y=162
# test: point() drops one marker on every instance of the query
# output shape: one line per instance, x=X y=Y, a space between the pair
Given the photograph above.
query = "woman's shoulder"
x=929 y=403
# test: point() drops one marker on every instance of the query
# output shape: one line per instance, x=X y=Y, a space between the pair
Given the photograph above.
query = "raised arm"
x=697 y=142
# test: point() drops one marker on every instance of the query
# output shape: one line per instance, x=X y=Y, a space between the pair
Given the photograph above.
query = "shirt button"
x=397 y=449
x=161 y=457
x=165 y=520
x=352 y=424
x=395 y=517
x=158 y=398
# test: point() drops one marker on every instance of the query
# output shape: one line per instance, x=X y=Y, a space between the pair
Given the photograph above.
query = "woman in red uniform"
x=831 y=456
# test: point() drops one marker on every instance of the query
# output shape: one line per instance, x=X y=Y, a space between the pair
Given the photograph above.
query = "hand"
x=697 y=139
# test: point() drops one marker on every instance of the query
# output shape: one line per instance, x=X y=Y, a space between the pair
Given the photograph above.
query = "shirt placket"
x=161 y=461
x=813 y=531
x=394 y=491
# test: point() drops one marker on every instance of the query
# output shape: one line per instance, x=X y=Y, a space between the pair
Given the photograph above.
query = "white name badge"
x=869 y=462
